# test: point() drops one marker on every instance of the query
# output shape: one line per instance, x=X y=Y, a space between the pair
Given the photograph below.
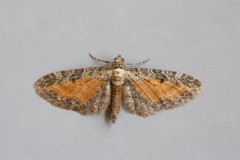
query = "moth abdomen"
x=116 y=101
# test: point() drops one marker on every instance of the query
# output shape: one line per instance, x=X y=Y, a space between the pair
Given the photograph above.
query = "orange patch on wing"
x=83 y=89
x=153 y=89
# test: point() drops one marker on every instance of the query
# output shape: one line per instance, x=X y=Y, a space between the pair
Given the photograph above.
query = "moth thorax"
x=118 y=76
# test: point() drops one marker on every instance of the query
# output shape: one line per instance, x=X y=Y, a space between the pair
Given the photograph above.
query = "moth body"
x=118 y=76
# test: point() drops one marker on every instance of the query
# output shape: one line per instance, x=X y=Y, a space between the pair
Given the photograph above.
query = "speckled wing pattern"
x=148 y=91
x=83 y=90
x=142 y=91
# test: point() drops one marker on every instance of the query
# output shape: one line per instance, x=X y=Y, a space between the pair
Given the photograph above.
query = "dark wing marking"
x=148 y=91
x=83 y=90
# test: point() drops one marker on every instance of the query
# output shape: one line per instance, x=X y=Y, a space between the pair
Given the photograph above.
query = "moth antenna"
x=98 y=59
x=139 y=63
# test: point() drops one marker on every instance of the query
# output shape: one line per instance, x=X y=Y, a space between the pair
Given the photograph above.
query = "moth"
x=142 y=91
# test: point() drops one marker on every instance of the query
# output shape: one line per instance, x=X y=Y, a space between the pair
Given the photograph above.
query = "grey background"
x=200 y=38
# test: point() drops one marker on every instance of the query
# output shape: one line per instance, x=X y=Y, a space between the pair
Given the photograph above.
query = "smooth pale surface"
x=201 y=38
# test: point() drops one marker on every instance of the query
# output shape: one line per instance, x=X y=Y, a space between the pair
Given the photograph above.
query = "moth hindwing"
x=142 y=91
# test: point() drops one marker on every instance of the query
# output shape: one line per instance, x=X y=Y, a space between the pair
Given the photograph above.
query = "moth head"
x=119 y=58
